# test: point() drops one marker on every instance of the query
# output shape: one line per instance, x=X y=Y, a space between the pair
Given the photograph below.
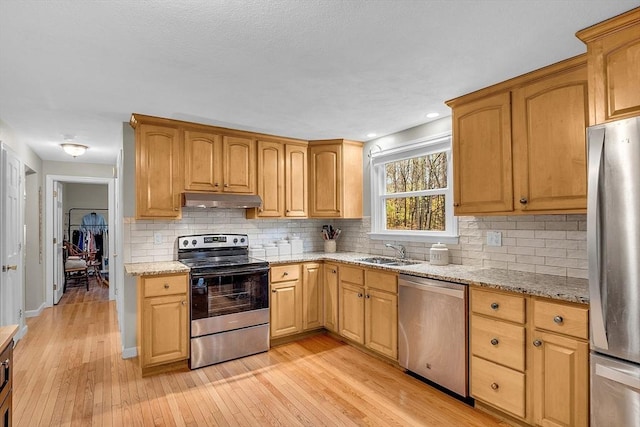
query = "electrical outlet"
x=494 y=238
x=157 y=238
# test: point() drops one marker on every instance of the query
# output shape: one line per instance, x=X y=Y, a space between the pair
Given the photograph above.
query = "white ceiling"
x=310 y=69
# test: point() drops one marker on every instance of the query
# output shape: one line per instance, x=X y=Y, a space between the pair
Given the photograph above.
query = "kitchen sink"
x=387 y=261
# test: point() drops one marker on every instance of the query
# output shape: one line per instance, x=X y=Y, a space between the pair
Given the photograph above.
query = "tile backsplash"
x=549 y=244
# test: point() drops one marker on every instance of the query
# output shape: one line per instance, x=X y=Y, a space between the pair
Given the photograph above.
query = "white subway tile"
x=527 y=234
x=537 y=243
x=529 y=268
x=520 y=225
x=561 y=262
x=557 y=235
x=579 y=273
x=566 y=225
x=528 y=259
x=551 y=252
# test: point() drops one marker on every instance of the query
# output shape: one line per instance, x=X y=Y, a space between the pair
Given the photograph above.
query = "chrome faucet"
x=402 y=252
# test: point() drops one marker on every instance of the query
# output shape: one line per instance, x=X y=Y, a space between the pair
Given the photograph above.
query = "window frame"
x=416 y=148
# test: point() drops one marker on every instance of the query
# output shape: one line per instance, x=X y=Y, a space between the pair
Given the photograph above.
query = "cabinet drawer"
x=501 y=387
x=387 y=282
x=561 y=318
x=352 y=275
x=154 y=286
x=285 y=273
x=498 y=305
x=498 y=341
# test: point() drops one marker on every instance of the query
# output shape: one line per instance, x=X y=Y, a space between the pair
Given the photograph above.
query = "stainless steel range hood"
x=217 y=200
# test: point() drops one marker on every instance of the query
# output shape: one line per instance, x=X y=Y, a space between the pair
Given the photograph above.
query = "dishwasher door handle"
x=432 y=287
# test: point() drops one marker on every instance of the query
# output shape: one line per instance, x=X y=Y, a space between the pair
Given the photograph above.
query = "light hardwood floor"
x=68 y=371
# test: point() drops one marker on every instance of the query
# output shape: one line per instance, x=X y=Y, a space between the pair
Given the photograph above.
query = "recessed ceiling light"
x=371 y=135
x=432 y=115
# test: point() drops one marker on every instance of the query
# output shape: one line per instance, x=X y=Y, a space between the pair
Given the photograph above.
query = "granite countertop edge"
x=6 y=335
x=544 y=285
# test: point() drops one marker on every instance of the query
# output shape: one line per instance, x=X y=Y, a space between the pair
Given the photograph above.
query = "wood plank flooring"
x=69 y=371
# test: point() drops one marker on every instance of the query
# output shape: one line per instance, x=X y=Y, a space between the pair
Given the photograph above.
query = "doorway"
x=71 y=202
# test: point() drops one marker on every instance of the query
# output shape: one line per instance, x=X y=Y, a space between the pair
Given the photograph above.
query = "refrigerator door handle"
x=596 y=138
x=617 y=376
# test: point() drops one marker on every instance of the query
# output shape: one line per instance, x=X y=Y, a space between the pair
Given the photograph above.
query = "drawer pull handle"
x=494 y=341
x=537 y=343
x=166 y=286
x=495 y=305
x=495 y=386
x=558 y=320
x=285 y=273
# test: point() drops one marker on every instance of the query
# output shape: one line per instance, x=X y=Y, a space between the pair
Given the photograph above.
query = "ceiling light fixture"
x=74 y=150
x=372 y=135
x=432 y=115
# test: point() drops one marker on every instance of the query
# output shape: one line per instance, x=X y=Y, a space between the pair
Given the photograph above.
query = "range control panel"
x=206 y=241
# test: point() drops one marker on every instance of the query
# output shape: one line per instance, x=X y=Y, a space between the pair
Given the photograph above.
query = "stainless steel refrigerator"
x=613 y=242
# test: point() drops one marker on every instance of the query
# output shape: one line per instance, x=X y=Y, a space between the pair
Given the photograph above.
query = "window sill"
x=414 y=237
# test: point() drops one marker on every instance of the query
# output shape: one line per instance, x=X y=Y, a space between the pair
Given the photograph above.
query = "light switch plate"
x=494 y=238
x=157 y=238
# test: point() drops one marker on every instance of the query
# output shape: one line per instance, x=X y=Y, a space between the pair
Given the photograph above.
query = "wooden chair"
x=76 y=268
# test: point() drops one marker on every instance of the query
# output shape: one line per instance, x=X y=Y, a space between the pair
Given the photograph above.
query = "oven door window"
x=218 y=295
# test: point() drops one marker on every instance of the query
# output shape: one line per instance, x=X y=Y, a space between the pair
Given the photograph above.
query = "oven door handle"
x=231 y=272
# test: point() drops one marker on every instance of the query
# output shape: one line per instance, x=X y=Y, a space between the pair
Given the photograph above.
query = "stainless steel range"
x=229 y=297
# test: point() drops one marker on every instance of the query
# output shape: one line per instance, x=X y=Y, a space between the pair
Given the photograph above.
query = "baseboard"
x=130 y=352
x=35 y=313
x=21 y=333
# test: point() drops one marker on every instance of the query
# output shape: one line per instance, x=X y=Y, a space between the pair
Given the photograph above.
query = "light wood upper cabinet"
x=519 y=146
x=613 y=51
x=158 y=170
x=550 y=162
x=282 y=180
x=335 y=179
x=482 y=162
x=239 y=164
x=202 y=161
x=163 y=319
x=296 y=184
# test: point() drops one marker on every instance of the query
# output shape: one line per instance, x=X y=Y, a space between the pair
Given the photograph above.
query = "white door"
x=11 y=240
x=58 y=227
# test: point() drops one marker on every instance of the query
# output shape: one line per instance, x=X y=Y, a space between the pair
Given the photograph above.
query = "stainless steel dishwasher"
x=433 y=331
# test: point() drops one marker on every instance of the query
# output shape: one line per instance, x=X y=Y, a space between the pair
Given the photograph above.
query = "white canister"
x=257 y=251
x=284 y=247
x=296 y=245
x=270 y=249
x=439 y=254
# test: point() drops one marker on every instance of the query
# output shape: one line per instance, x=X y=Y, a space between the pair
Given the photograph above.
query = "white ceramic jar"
x=270 y=249
x=257 y=251
x=439 y=254
x=296 y=245
x=284 y=247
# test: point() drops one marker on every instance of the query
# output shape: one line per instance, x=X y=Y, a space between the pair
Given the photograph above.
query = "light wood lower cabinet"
x=312 y=296
x=163 y=319
x=331 y=297
x=352 y=311
x=530 y=357
x=381 y=322
x=286 y=300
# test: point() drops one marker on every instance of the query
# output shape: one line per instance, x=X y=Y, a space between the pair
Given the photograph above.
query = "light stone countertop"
x=6 y=335
x=545 y=285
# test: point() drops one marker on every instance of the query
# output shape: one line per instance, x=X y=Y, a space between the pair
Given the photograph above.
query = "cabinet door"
x=286 y=308
x=331 y=297
x=165 y=333
x=239 y=164
x=351 y=311
x=202 y=161
x=325 y=193
x=312 y=295
x=158 y=172
x=560 y=380
x=381 y=322
x=549 y=145
x=271 y=173
x=296 y=195
x=5 y=411
x=482 y=156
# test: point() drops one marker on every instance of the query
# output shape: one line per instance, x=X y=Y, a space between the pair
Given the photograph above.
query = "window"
x=412 y=196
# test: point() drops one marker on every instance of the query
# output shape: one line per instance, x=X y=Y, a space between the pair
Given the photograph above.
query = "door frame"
x=50 y=231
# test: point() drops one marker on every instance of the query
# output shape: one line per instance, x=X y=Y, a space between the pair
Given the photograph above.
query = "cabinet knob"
x=184 y=302
x=286 y=273
x=456 y=204
x=494 y=341
x=367 y=296
x=334 y=271
x=495 y=386
x=495 y=305
x=216 y=185
x=558 y=320
x=226 y=185
x=524 y=200
x=6 y=364
x=537 y=343
x=166 y=286
x=274 y=290
x=176 y=209
x=360 y=295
